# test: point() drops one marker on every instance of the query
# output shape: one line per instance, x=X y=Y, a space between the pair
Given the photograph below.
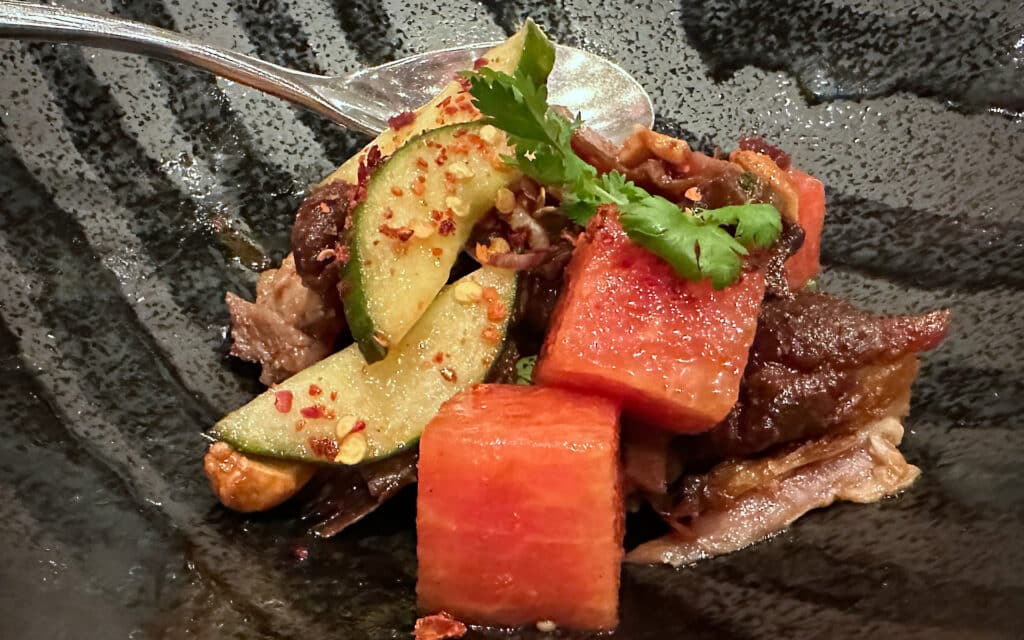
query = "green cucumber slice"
x=395 y=397
x=419 y=210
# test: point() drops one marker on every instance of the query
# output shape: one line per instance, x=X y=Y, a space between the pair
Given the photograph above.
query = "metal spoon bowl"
x=610 y=101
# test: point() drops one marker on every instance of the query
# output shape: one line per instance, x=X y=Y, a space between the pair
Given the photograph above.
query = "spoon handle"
x=321 y=95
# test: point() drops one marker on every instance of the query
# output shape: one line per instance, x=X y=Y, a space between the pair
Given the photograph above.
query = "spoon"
x=609 y=100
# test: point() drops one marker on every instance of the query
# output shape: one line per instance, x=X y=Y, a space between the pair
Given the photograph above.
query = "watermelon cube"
x=627 y=327
x=519 y=512
x=804 y=264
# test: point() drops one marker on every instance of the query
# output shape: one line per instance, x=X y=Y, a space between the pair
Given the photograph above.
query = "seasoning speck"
x=283 y=401
x=312 y=412
x=352 y=449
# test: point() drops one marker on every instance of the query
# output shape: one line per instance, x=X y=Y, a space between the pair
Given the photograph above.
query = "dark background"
x=133 y=193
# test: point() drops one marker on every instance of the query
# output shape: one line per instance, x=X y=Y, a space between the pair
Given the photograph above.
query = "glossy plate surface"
x=134 y=193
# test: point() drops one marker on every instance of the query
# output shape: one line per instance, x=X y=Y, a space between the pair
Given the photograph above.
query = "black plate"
x=133 y=193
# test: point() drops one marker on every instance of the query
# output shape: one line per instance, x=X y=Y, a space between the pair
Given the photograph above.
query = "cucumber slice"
x=394 y=398
x=419 y=210
x=525 y=47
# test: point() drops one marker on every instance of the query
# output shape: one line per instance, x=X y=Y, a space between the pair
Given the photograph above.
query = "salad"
x=548 y=332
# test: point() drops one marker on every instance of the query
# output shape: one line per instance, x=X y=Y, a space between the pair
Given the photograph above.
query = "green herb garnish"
x=524 y=369
x=698 y=245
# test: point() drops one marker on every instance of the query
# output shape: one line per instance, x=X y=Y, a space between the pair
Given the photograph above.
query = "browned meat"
x=815 y=328
x=320 y=223
x=759 y=145
x=317 y=244
x=818 y=365
x=666 y=167
x=742 y=502
x=288 y=328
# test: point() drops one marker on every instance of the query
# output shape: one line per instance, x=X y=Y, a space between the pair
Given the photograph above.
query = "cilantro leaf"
x=538 y=55
x=708 y=244
x=757 y=225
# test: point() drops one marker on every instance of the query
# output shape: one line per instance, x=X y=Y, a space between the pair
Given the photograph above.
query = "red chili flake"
x=400 y=120
x=300 y=425
x=323 y=447
x=341 y=254
x=421 y=163
x=433 y=144
x=451 y=109
x=368 y=164
x=436 y=214
x=490 y=294
x=496 y=311
x=358 y=426
x=397 y=190
x=464 y=83
x=437 y=252
x=324 y=208
x=444 y=102
x=402 y=234
x=315 y=390
x=446 y=227
x=449 y=374
x=438 y=627
x=334 y=395
x=442 y=157
x=300 y=552
x=283 y=401
x=312 y=412
x=460 y=133
x=490 y=335
x=479 y=62
x=439 y=357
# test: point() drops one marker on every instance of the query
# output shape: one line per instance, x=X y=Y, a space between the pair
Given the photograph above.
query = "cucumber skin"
x=249 y=447
x=357 y=313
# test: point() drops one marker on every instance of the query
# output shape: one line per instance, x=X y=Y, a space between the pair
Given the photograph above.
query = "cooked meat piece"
x=646 y=462
x=778 y=405
x=247 y=483
x=760 y=145
x=742 y=502
x=812 y=329
x=288 y=328
x=665 y=166
x=317 y=244
x=773 y=184
x=818 y=365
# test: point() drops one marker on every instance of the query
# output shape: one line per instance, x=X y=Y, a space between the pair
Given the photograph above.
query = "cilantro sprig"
x=697 y=244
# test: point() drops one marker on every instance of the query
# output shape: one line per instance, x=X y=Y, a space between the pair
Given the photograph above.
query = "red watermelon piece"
x=805 y=263
x=627 y=327
x=519 y=512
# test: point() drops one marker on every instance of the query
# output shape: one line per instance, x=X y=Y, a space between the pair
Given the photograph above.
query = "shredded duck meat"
x=741 y=502
x=287 y=328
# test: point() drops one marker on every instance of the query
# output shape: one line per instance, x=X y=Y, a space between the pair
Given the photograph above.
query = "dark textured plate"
x=133 y=193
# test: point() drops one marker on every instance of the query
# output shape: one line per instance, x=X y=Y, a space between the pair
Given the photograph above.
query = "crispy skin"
x=819 y=365
x=741 y=502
